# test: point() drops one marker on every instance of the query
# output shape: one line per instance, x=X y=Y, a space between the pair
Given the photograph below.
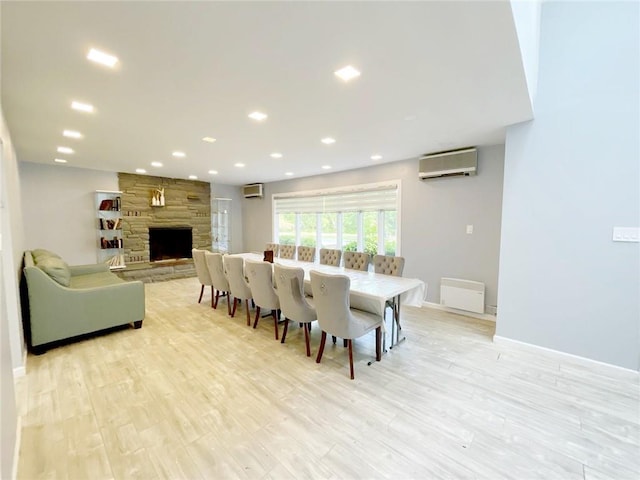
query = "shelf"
x=110 y=247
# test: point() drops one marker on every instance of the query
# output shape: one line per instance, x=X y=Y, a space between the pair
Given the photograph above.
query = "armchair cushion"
x=56 y=268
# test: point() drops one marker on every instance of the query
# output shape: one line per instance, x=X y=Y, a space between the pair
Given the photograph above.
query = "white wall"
x=526 y=17
x=59 y=209
x=571 y=175
x=434 y=217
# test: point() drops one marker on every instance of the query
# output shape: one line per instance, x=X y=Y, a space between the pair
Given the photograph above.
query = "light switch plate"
x=469 y=229
x=626 y=234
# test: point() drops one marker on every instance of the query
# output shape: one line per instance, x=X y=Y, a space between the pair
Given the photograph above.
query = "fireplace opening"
x=168 y=243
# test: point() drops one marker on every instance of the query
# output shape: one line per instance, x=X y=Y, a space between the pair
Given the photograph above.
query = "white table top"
x=369 y=290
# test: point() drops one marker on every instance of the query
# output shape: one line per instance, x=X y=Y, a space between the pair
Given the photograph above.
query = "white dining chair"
x=218 y=278
x=234 y=269
x=306 y=254
x=335 y=317
x=202 y=272
x=287 y=251
x=330 y=256
x=356 y=260
x=260 y=275
x=295 y=307
x=389 y=265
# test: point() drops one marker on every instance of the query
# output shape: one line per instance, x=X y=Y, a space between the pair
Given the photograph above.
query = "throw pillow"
x=40 y=254
x=57 y=269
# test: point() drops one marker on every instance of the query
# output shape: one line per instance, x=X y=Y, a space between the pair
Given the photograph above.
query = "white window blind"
x=366 y=200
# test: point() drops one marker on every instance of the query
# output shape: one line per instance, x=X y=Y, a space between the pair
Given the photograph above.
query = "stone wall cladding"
x=187 y=203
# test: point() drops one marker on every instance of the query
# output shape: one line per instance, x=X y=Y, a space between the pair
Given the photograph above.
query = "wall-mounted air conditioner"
x=449 y=164
x=253 y=190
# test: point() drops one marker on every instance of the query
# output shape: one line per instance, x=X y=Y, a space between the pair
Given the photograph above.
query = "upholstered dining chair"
x=260 y=275
x=356 y=260
x=306 y=254
x=202 y=272
x=234 y=269
x=218 y=278
x=335 y=317
x=389 y=265
x=274 y=247
x=289 y=282
x=287 y=251
x=330 y=256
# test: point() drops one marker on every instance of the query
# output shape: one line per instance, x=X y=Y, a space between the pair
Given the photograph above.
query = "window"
x=360 y=218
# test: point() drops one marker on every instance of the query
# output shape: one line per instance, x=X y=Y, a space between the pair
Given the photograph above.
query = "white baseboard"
x=21 y=371
x=16 y=451
x=587 y=362
x=480 y=316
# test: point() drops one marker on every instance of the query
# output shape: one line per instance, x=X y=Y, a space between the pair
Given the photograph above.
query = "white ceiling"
x=435 y=76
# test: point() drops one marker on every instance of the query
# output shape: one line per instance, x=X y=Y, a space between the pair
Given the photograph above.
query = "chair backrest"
x=329 y=256
x=260 y=275
x=388 y=265
x=306 y=254
x=356 y=260
x=216 y=271
x=289 y=287
x=201 y=266
x=331 y=299
x=274 y=247
x=234 y=269
x=287 y=251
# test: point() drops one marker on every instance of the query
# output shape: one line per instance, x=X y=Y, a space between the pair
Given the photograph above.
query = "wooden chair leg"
x=201 y=292
x=228 y=304
x=306 y=338
x=333 y=337
x=235 y=305
x=255 y=322
x=323 y=339
x=246 y=302
x=344 y=342
x=284 y=331
x=215 y=303
x=275 y=321
x=378 y=344
x=211 y=296
x=350 y=344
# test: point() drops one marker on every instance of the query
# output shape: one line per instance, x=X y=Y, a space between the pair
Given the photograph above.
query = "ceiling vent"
x=253 y=190
x=454 y=163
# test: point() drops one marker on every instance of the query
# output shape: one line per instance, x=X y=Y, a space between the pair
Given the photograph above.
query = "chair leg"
x=350 y=344
x=333 y=337
x=284 y=332
x=275 y=321
x=378 y=344
x=235 y=306
x=344 y=342
x=306 y=338
x=323 y=339
x=201 y=292
x=215 y=303
x=228 y=304
x=212 y=296
x=255 y=322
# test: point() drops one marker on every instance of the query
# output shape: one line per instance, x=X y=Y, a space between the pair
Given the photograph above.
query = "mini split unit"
x=253 y=190
x=463 y=162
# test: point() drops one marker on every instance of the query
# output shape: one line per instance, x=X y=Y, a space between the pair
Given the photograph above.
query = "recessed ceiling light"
x=59 y=160
x=208 y=139
x=376 y=157
x=82 y=107
x=193 y=177
x=140 y=170
x=288 y=174
x=65 y=150
x=156 y=164
x=347 y=73
x=276 y=155
x=239 y=165
x=328 y=140
x=71 y=134
x=259 y=116
x=179 y=154
x=103 y=58
x=326 y=167
x=213 y=172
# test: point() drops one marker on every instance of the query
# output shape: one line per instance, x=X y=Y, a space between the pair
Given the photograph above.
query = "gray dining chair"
x=202 y=272
x=356 y=260
x=260 y=275
x=287 y=251
x=238 y=286
x=218 y=278
x=335 y=317
x=274 y=247
x=295 y=307
x=389 y=265
x=329 y=256
x=306 y=254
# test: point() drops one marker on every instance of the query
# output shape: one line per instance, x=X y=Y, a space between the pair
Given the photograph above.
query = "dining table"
x=369 y=291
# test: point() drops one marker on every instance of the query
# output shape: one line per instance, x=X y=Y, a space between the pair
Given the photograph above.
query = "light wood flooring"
x=195 y=394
